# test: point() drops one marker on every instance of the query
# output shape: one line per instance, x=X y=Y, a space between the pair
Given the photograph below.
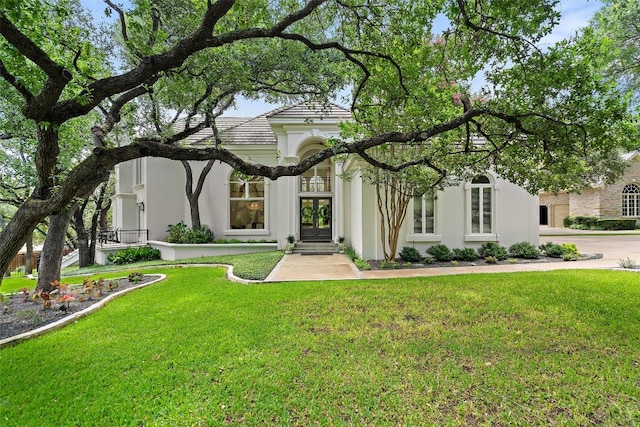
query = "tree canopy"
x=542 y=118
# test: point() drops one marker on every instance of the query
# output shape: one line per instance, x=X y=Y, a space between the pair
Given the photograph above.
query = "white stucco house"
x=317 y=206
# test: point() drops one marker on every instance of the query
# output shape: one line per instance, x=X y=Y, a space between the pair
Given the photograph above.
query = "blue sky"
x=575 y=15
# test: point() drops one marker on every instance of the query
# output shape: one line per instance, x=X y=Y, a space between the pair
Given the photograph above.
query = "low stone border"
x=72 y=317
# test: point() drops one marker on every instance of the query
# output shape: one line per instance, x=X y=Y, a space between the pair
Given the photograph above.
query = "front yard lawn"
x=552 y=348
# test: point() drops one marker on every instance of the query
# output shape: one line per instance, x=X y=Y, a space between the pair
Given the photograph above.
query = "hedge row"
x=595 y=223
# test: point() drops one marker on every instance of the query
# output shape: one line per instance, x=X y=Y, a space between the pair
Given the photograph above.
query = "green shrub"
x=351 y=253
x=568 y=221
x=362 y=264
x=492 y=249
x=569 y=248
x=409 y=254
x=552 y=250
x=465 y=254
x=616 y=224
x=130 y=255
x=524 y=250
x=588 y=221
x=180 y=233
x=440 y=252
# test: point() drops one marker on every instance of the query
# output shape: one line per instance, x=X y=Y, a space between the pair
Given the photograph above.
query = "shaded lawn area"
x=523 y=348
x=256 y=266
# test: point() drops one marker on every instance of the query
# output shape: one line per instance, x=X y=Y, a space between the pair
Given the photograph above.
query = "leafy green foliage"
x=440 y=252
x=136 y=276
x=492 y=249
x=616 y=224
x=180 y=233
x=465 y=254
x=351 y=253
x=524 y=250
x=595 y=223
x=550 y=119
x=131 y=255
x=410 y=254
x=362 y=264
x=551 y=249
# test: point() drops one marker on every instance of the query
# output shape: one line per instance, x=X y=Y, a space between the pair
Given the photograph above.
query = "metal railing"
x=118 y=237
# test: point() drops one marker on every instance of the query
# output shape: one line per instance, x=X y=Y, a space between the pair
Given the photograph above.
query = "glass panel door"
x=315 y=219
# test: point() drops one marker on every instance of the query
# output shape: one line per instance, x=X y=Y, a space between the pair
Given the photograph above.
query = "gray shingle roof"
x=311 y=111
x=257 y=130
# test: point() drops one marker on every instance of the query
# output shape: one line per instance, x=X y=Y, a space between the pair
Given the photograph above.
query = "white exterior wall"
x=355 y=214
x=163 y=196
x=293 y=139
x=124 y=207
x=515 y=219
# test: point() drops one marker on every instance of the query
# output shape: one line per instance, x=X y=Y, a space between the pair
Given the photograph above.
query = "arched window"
x=318 y=178
x=481 y=205
x=631 y=200
x=246 y=202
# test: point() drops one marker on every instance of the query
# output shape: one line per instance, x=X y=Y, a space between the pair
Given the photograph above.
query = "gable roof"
x=257 y=130
x=630 y=155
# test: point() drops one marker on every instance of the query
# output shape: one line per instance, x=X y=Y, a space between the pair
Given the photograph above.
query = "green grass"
x=247 y=266
x=553 y=348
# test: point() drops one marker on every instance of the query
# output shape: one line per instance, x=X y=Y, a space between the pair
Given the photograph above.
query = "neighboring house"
x=620 y=199
x=318 y=205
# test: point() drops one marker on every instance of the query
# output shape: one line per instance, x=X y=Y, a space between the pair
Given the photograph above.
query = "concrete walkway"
x=613 y=246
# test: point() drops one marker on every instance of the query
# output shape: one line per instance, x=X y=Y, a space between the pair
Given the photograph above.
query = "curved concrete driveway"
x=613 y=247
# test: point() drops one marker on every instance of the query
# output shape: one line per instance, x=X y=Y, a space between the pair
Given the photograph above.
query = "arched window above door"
x=318 y=178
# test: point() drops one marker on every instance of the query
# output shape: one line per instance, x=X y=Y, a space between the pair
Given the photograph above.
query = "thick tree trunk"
x=194 y=195
x=84 y=255
x=53 y=249
x=28 y=261
x=14 y=235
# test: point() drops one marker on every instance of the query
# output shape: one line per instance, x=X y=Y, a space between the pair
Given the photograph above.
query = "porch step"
x=316 y=248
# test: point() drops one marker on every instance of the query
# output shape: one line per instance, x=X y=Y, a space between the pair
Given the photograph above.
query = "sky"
x=575 y=15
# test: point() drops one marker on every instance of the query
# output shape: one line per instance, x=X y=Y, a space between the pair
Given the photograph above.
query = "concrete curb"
x=73 y=317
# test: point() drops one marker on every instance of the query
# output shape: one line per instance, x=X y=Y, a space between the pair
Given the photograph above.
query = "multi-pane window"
x=317 y=179
x=631 y=200
x=246 y=202
x=481 y=205
x=424 y=213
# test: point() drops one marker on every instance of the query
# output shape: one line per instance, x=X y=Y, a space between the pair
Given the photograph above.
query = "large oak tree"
x=547 y=118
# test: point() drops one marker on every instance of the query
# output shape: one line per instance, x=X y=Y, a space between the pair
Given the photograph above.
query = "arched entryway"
x=315 y=200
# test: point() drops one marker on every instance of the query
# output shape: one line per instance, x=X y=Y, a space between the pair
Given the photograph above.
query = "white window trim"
x=247 y=232
x=481 y=237
x=412 y=236
x=625 y=200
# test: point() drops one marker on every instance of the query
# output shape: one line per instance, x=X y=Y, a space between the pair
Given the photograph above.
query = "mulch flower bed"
x=21 y=313
x=402 y=265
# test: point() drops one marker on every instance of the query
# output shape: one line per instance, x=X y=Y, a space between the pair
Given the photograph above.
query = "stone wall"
x=611 y=199
x=587 y=203
x=547 y=199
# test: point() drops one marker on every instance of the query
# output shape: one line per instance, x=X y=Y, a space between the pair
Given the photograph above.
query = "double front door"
x=315 y=219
